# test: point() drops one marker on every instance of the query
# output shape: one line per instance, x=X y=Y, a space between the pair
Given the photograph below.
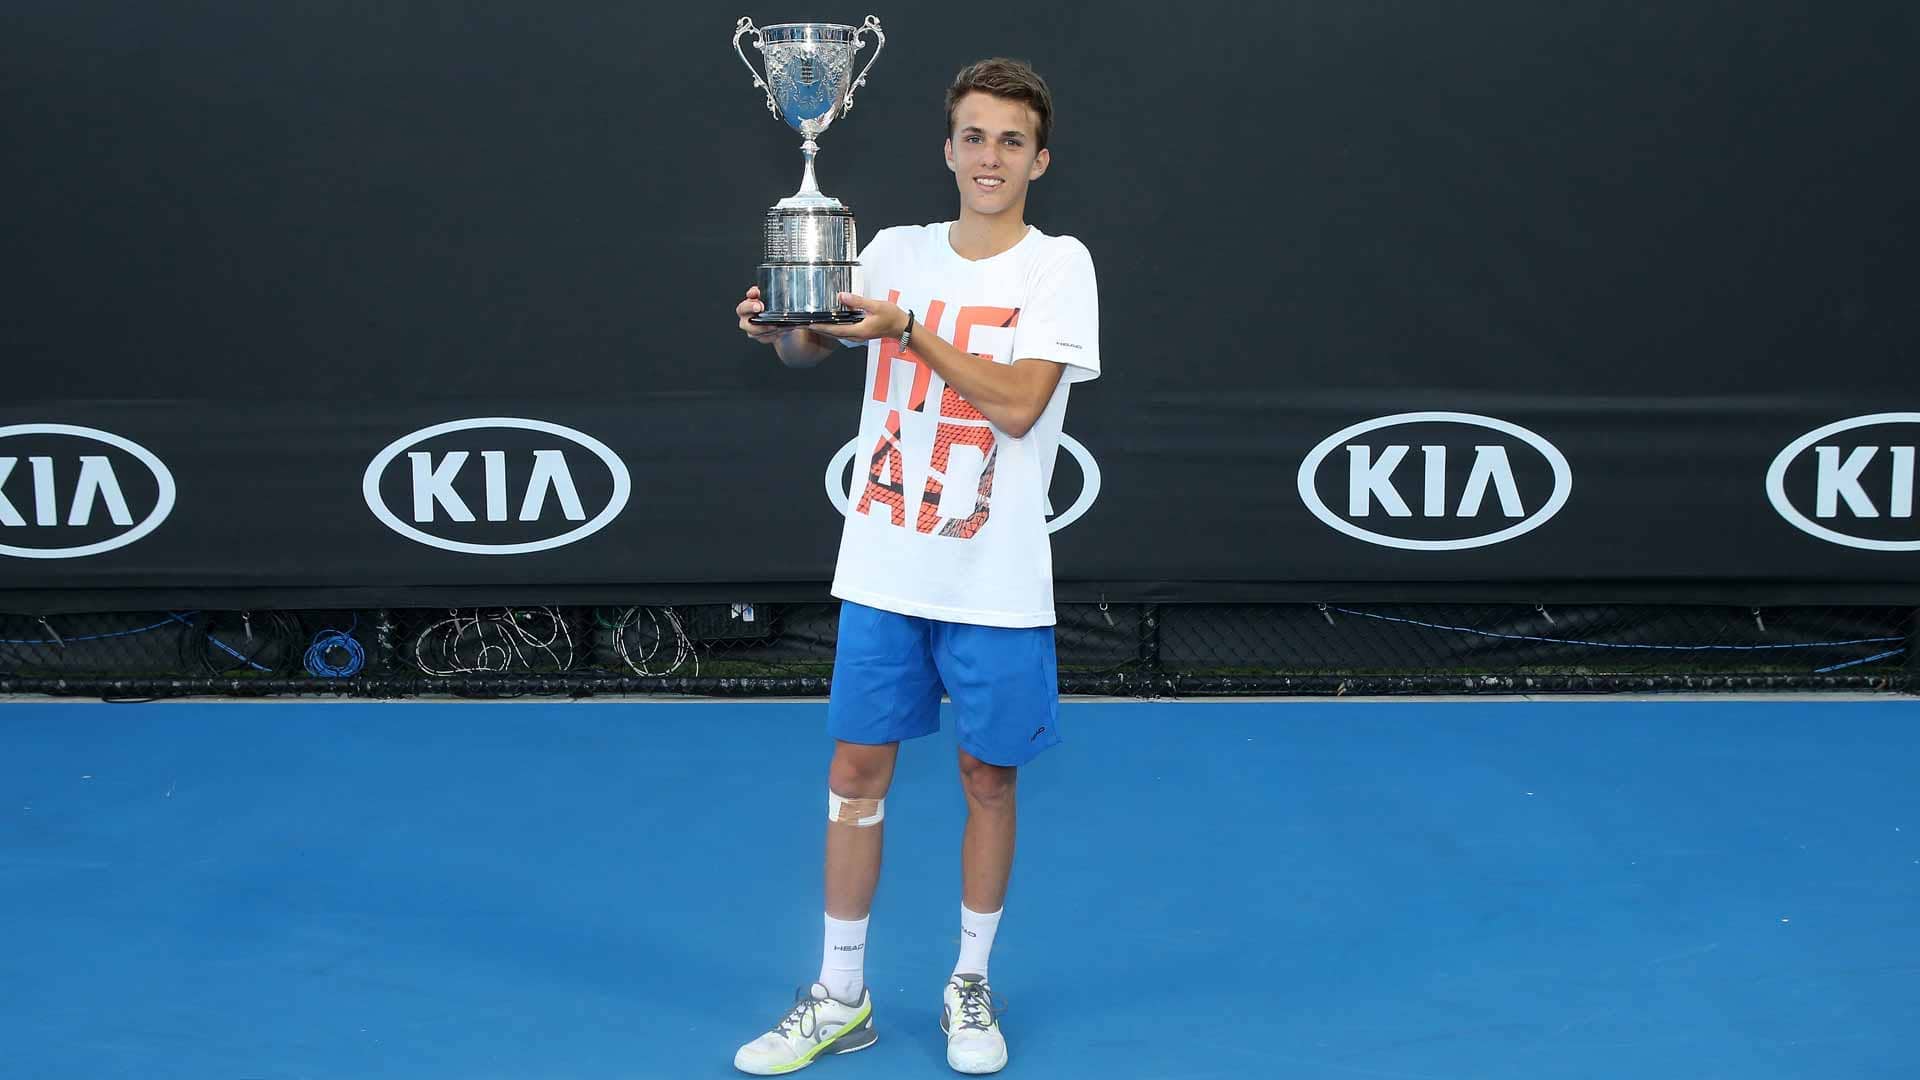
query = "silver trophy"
x=810 y=249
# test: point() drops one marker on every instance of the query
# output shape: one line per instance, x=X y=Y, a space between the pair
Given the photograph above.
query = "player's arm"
x=797 y=347
x=1011 y=395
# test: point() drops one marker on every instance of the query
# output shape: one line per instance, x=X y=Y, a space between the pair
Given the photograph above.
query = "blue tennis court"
x=1429 y=890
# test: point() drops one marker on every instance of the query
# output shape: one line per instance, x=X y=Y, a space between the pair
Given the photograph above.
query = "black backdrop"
x=1665 y=240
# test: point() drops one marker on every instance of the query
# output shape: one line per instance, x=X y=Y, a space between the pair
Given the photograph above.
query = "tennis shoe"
x=972 y=1023
x=817 y=1024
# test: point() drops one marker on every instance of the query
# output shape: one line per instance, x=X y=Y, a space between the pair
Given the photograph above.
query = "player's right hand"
x=752 y=306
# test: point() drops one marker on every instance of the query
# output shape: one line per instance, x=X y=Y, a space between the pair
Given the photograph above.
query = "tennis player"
x=975 y=329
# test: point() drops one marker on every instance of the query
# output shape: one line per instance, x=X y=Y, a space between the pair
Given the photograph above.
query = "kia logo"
x=1858 y=483
x=496 y=486
x=67 y=492
x=840 y=481
x=1435 y=481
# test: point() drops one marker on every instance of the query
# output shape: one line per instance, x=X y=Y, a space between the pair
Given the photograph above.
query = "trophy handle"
x=872 y=25
x=742 y=29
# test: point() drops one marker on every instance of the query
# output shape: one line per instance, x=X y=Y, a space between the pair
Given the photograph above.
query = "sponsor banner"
x=642 y=501
x=423 y=344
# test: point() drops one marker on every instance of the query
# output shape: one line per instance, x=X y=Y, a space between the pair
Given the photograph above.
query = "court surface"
x=1412 y=890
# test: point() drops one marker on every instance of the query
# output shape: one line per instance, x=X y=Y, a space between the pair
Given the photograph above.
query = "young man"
x=977 y=327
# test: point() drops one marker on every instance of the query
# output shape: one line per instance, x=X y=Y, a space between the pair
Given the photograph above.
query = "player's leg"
x=857 y=783
x=986 y=856
x=1005 y=691
x=885 y=689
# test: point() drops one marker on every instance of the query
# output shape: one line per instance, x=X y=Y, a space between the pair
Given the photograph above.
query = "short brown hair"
x=1010 y=79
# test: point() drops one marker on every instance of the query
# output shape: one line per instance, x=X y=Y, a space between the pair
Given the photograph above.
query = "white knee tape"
x=859 y=813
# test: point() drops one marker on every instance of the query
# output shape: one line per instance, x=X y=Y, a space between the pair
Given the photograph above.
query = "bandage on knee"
x=859 y=813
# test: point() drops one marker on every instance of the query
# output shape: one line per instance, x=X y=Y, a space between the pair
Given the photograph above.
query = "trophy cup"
x=810 y=247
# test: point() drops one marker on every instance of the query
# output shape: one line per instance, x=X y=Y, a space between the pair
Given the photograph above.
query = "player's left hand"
x=883 y=320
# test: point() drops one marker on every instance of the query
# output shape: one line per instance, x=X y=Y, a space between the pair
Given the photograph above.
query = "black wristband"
x=907 y=333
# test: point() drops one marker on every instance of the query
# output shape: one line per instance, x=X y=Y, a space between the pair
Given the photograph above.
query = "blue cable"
x=172 y=617
x=242 y=657
x=237 y=655
x=316 y=661
x=1851 y=663
x=316 y=658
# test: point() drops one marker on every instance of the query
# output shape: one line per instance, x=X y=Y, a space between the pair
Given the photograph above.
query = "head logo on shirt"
x=841 y=477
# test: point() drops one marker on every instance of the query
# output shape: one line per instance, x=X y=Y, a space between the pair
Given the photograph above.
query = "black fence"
x=1141 y=650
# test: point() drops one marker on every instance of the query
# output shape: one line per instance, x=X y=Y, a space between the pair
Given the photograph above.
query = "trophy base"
x=806 y=318
x=799 y=293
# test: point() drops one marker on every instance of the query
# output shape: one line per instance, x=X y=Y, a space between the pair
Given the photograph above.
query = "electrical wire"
x=499 y=640
x=641 y=663
x=329 y=640
x=1637 y=645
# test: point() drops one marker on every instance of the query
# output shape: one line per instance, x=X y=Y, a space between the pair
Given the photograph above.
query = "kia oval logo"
x=1858 y=483
x=840 y=481
x=532 y=483
x=1464 y=477
x=67 y=492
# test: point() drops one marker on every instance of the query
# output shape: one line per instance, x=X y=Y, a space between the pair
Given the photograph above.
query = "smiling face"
x=994 y=153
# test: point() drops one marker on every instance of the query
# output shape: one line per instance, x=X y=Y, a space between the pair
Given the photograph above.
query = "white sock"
x=976 y=941
x=843 y=960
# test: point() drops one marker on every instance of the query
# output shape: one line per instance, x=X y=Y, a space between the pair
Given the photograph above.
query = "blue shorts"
x=889 y=672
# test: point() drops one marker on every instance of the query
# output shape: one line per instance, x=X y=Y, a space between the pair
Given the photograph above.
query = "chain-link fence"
x=1117 y=649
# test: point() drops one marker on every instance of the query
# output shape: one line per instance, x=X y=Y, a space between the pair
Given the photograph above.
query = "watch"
x=906 y=335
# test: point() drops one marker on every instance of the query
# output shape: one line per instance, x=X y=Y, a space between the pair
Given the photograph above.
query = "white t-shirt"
x=948 y=515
